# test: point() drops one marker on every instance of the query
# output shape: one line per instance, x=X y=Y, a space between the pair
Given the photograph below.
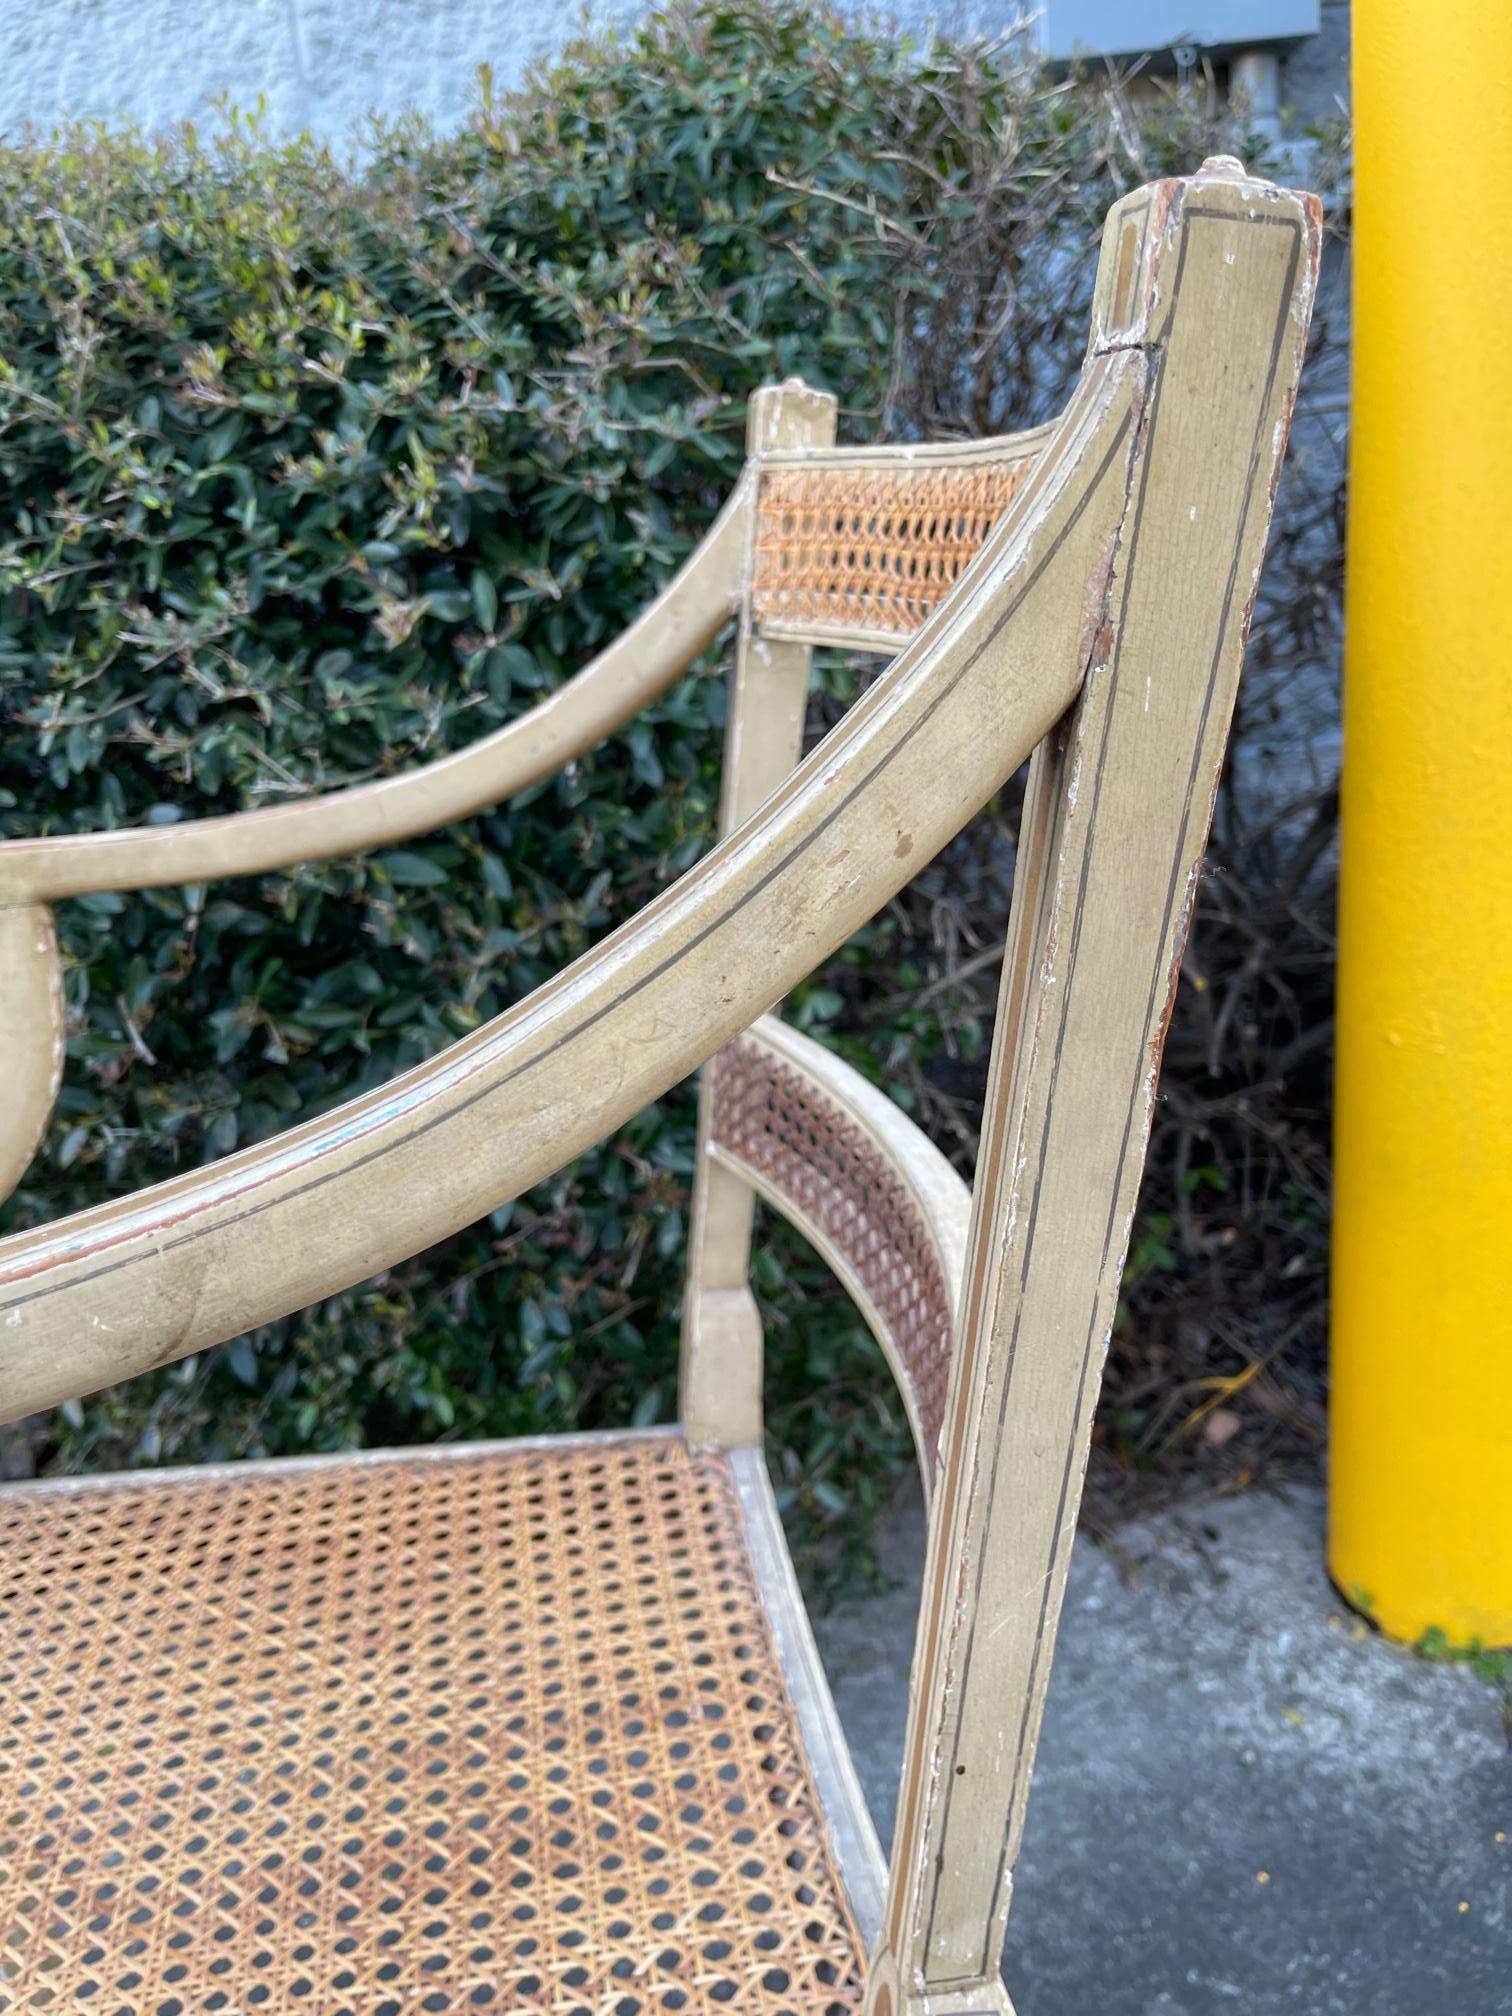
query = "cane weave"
x=870 y=549
x=785 y=1129
x=499 y=1731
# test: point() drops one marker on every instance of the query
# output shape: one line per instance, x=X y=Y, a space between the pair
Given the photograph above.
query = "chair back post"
x=721 y=1359
x=1211 y=280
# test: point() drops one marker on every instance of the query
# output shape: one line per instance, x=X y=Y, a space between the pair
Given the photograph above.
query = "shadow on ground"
x=1245 y=1800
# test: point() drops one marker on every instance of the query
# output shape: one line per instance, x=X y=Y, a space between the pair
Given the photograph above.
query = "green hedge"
x=314 y=473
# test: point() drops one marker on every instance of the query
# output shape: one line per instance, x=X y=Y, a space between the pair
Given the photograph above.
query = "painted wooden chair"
x=540 y=1726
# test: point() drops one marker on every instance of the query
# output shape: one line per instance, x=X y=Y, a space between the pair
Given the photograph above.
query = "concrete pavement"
x=1246 y=1801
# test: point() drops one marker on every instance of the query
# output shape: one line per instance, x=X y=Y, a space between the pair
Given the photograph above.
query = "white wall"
x=325 y=63
x=319 y=63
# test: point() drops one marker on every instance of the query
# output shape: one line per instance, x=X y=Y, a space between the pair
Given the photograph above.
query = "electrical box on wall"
x=1071 y=28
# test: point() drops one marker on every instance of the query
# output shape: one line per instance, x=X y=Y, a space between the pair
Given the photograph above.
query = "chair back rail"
x=142 y=1281
x=848 y=564
x=865 y=1186
x=890 y=457
x=640 y=664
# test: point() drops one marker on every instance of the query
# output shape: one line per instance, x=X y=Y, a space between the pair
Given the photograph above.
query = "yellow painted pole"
x=1421 y=1464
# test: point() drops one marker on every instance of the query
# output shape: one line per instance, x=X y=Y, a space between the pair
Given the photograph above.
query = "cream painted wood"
x=852 y=1837
x=1211 y=281
x=31 y=1018
x=721 y=1357
x=640 y=664
x=599 y=699
x=1100 y=627
x=890 y=456
x=939 y=1197
x=143 y=1281
x=337 y=1459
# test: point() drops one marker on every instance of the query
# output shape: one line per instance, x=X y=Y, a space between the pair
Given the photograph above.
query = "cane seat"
x=438 y=1731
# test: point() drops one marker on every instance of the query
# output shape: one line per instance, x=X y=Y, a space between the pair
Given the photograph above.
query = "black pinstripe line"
x=1290 y=223
x=1160 y=969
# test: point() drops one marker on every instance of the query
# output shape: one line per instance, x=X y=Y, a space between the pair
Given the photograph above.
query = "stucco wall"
x=325 y=63
x=319 y=63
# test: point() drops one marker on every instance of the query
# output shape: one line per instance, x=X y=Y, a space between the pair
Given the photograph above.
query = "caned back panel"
x=870 y=551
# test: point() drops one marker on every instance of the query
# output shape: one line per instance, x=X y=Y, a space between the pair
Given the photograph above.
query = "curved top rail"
x=641 y=663
x=866 y=1186
x=1024 y=446
x=115 y=1290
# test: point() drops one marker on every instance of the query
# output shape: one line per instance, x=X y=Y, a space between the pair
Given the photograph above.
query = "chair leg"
x=885 y=1995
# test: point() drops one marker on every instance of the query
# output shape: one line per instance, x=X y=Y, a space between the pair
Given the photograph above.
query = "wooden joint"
x=720 y=1403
